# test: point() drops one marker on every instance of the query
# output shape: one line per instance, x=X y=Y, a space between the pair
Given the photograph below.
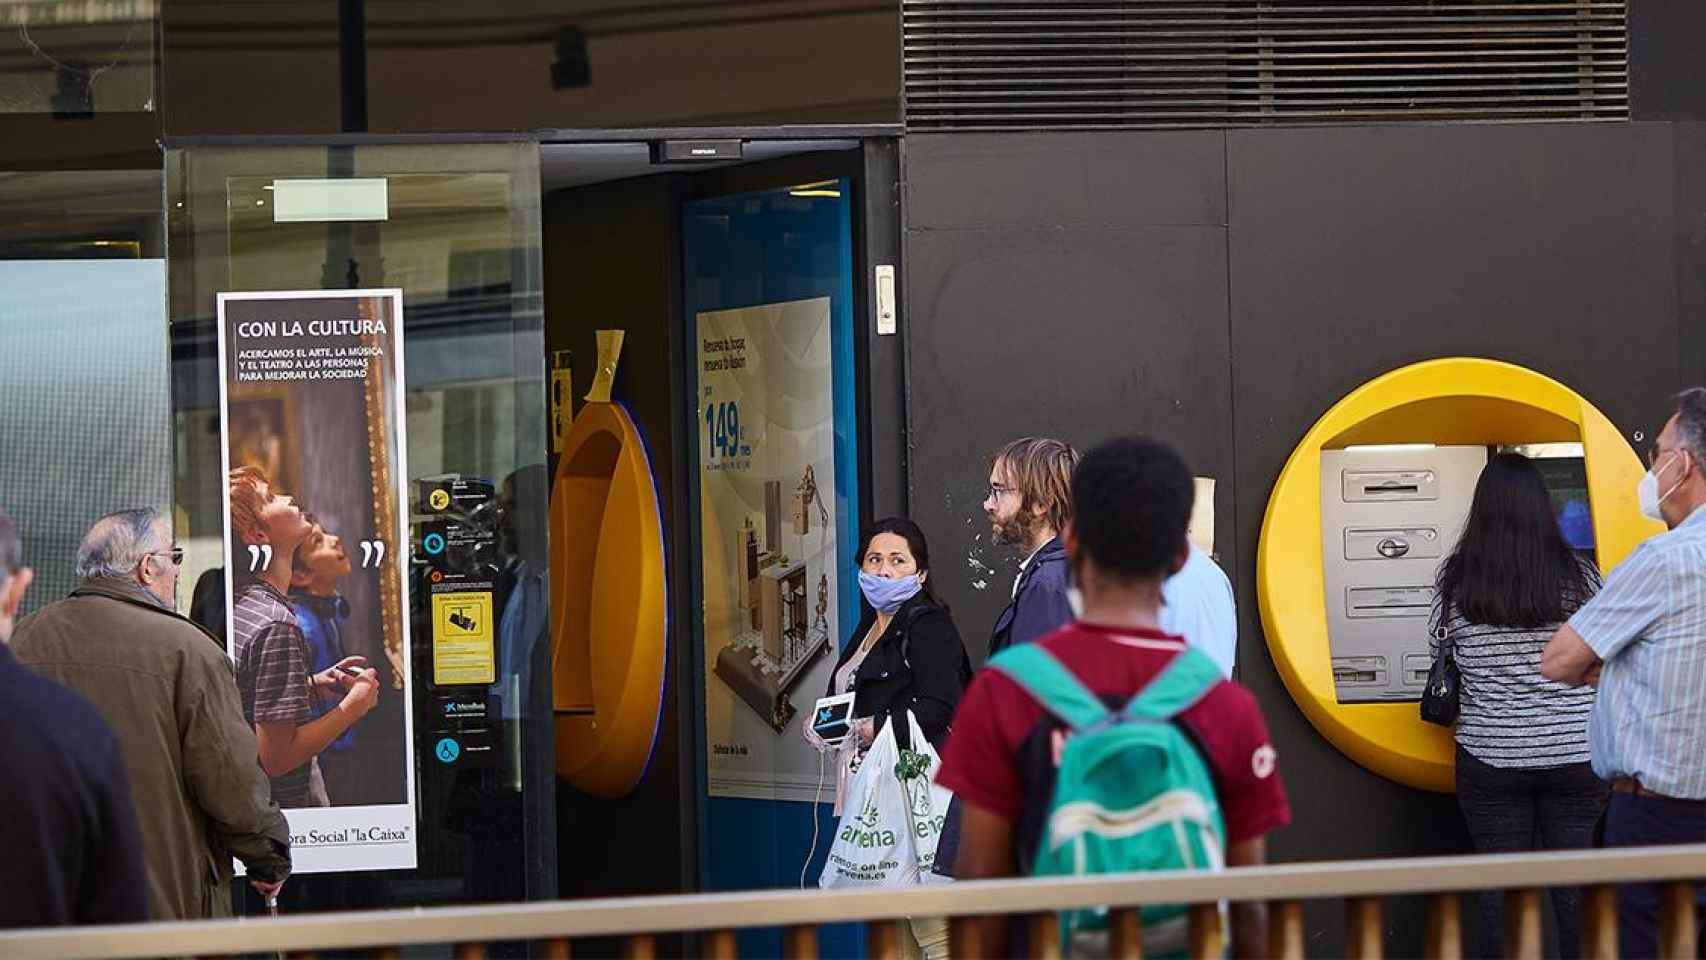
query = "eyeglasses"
x=999 y=490
x=176 y=553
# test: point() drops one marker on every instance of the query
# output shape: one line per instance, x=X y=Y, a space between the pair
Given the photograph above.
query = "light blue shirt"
x=1197 y=604
x=525 y=620
x=1649 y=627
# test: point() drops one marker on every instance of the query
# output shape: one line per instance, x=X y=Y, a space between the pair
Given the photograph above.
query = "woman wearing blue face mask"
x=905 y=654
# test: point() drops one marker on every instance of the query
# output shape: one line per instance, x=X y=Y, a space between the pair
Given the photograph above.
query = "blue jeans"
x=1633 y=821
x=1516 y=809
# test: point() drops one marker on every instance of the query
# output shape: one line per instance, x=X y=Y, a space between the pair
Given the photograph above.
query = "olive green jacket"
x=167 y=689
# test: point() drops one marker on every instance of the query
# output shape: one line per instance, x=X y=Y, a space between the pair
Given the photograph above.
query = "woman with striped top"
x=1523 y=779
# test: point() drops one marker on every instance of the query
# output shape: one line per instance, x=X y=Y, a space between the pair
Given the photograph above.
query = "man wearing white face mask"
x=1643 y=642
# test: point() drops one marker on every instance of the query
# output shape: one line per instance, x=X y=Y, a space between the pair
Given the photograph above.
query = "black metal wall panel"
x=1056 y=180
x=1667 y=74
x=1544 y=245
x=1094 y=284
x=1070 y=286
x=1355 y=251
x=1691 y=249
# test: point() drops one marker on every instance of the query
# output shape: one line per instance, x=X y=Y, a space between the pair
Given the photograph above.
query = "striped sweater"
x=1511 y=716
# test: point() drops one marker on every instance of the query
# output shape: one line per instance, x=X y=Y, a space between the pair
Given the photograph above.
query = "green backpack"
x=1133 y=793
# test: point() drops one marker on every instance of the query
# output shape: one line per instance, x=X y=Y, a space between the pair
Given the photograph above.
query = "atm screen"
x=1565 y=473
x=1567 y=481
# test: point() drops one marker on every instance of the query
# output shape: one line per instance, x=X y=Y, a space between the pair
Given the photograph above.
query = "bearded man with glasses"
x=1029 y=504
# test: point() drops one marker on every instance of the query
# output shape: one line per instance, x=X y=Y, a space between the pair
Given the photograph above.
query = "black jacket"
x=919 y=663
x=1039 y=605
x=1038 y=608
x=72 y=851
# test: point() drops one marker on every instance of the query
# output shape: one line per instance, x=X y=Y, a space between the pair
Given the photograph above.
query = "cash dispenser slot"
x=1381 y=486
x=1392 y=543
x=1353 y=672
x=1416 y=666
x=1370 y=602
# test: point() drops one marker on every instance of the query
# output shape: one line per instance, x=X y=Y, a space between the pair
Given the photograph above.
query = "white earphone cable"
x=821 y=768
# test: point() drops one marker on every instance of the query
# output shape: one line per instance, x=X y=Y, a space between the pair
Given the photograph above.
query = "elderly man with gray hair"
x=1642 y=641
x=167 y=689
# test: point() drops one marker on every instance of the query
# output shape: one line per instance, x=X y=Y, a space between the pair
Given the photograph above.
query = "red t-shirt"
x=997 y=719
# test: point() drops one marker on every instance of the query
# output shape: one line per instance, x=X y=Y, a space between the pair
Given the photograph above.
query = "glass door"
x=359 y=412
x=768 y=268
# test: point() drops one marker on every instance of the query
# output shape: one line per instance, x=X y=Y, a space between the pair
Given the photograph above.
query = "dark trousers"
x=1633 y=821
x=1510 y=810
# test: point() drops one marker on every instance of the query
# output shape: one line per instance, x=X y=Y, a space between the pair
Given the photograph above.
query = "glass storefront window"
x=448 y=438
x=82 y=359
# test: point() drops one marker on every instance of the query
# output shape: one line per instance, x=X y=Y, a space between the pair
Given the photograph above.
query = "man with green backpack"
x=1109 y=746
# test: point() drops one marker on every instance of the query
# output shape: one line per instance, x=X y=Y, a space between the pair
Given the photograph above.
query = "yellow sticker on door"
x=462 y=630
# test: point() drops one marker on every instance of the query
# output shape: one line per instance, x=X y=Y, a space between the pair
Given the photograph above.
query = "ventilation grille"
x=1101 y=64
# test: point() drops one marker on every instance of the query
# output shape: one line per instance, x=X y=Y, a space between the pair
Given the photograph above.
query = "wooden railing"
x=1362 y=885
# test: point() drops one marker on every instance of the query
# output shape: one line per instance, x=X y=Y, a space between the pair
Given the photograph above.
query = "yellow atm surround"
x=1449 y=401
x=608 y=603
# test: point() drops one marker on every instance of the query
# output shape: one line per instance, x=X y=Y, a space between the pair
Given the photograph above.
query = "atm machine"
x=1374 y=497
x=1390 y=514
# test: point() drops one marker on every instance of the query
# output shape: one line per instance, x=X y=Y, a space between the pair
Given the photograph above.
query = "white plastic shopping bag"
x=889 y=828
x=928 y=801
x=872 y=845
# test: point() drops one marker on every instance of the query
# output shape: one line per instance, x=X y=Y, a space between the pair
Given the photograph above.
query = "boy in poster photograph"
x=316 y=578
x=273 y=656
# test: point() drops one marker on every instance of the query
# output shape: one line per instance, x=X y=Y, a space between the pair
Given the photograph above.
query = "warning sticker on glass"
x=462 y=627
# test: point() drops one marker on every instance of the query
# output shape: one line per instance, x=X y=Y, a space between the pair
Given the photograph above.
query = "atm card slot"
x=1369 y=602
x=1381 y=486
x=1392 y=543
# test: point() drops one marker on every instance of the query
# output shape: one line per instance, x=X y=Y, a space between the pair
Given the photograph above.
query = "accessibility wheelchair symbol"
x=448 y=750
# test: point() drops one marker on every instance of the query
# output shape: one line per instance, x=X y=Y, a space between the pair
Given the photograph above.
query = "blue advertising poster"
x=769 y=280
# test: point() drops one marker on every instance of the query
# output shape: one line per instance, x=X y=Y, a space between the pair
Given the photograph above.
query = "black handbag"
x=1440 y=697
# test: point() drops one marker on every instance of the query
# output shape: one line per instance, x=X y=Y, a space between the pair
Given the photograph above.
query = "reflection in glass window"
x=77 y=59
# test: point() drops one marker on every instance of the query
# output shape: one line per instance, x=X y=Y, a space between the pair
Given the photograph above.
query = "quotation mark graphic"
x=372 y=552
x=260 y=557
